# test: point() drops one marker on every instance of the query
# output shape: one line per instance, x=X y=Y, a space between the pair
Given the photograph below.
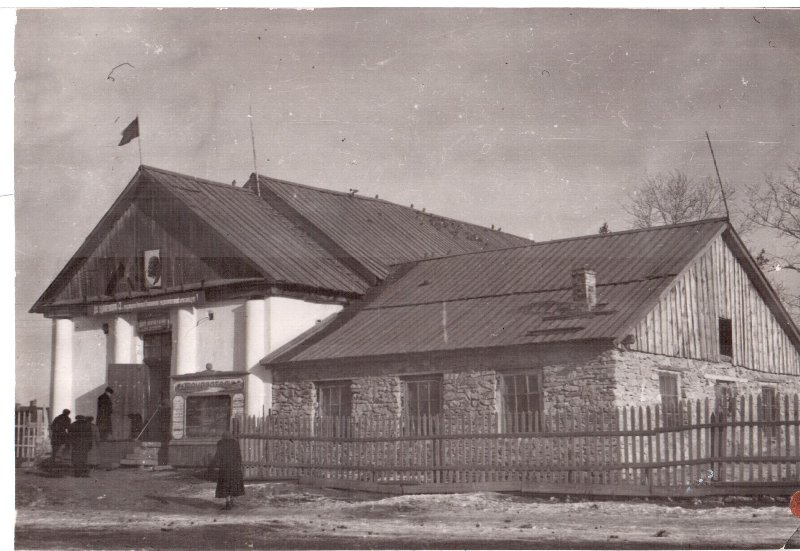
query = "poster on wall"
x=178 y=417
x=152 y=269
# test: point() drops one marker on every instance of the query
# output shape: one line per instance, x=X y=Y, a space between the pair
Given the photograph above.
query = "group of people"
x=82 y=434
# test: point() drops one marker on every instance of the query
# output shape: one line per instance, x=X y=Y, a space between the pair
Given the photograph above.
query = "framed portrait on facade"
x=152 y=269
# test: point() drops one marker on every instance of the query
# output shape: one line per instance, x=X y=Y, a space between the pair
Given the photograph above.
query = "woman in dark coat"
x=80 y=439
x=230 y=480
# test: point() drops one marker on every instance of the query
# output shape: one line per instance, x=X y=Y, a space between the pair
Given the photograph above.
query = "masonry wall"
x=294 y=399
x=636 y=375
x=577 y=377
x=376 y=396
x=580 y=384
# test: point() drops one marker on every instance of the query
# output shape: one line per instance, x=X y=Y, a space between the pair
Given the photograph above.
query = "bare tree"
x=776 y=207
x=673 y=197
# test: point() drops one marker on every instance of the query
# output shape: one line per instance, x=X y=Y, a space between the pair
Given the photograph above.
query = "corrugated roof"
x=260 y=233
x=512 y=296
x=378 y=233
x=301 y=235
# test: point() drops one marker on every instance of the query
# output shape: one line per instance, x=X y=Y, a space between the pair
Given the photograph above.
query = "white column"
x=259 y=382
x=184 y=337
x=123 y=340
x=61 y=394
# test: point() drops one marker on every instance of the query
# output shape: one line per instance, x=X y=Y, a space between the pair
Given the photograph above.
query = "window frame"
x=728 y=391
x=503 y=395
x=670 y=404
x=345 y=398
x=725 y=336
x=436 y=379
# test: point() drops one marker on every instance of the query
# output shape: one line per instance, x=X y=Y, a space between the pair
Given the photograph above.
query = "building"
x=185 y=285
x=638 y=317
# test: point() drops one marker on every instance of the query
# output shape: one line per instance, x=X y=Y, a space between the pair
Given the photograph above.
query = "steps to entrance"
x=108 y=454
x=145 y=454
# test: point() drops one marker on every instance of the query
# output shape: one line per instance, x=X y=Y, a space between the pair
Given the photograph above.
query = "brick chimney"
x=584 y=288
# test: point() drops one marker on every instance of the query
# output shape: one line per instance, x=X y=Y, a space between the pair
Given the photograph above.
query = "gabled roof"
x=275 y=247
x=512 y=296
x=278 y=248
x=297 y=235
x=376 y=233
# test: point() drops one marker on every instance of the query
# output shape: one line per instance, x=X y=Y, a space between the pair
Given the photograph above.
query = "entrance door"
x=129 y=401
x=157 y=357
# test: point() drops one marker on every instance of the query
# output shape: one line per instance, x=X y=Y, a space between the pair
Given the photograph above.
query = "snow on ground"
x=125 y=508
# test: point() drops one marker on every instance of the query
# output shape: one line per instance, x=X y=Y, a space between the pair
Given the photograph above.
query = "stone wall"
x=469 y=392
x=377 y=396
x=574 y=380
x=636 y=376
x=571 y=382
x=293 y=399
x=587 y=384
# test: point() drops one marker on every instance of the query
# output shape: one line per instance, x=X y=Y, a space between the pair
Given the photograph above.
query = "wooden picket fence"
x=30 y=433
x=691 y=449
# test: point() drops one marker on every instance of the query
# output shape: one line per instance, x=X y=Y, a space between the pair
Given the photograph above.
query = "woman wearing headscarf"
x=228 y=460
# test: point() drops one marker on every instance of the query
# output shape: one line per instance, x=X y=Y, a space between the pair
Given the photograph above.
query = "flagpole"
x=139 y=141
x=721 y=187
x=253 y=142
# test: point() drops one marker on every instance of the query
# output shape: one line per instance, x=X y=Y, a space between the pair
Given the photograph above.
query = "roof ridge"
x=378 y=200
x=384 y=306
x=565 y=239
x=195 y=178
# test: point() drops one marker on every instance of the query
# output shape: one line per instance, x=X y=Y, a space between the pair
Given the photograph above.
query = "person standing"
x=230 y=479
x=94 y=453
x=80 y=437
x=59 y=432
x=104 y=413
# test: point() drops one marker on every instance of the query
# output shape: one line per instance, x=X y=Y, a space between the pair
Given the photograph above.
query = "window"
x=333 y=399
x=725 y=399
x=423 y=396
x=207 y=416
x=725 y=337
x=520 y=397
x=668 y=388
x=770 y=410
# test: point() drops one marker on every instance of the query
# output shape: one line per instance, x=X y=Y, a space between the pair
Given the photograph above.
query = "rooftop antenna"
x=721 y=187
x=253 y=142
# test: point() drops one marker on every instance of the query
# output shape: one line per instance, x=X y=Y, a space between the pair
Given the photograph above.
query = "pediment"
x=148 y=243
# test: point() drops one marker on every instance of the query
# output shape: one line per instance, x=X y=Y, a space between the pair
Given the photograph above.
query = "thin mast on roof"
x=253 y=142
x=721 y=187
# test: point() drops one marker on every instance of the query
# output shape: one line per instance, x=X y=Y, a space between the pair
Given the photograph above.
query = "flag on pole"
x=131 y=131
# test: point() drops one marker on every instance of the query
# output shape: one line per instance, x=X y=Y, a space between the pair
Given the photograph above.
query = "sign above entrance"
x=153 y=322
x=210 y=385
x=143 y=304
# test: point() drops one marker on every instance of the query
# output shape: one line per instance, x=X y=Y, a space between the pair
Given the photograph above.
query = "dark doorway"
x=157 y=358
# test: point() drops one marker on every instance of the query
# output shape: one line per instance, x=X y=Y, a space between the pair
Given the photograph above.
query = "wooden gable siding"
x=685 y=321
x=190 y=252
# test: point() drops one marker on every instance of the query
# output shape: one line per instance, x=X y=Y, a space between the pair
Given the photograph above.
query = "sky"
x=539 y=121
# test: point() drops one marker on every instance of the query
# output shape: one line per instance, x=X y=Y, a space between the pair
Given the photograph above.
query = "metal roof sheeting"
x=282 y=251
x=378 y=233
x=512 y=296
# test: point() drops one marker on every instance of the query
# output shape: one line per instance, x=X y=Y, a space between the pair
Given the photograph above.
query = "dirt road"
x=176 y=510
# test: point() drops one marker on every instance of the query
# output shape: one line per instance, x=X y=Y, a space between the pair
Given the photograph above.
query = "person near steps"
x=228 y=460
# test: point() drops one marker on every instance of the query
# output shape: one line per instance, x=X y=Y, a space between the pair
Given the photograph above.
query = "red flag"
x=131 y=131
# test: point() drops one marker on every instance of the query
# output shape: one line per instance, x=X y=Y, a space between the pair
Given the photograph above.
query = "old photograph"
x=405 y=278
